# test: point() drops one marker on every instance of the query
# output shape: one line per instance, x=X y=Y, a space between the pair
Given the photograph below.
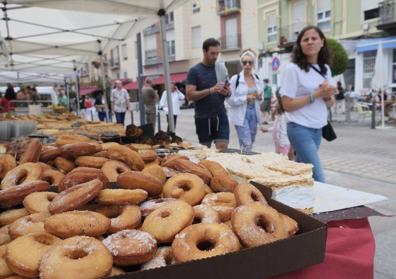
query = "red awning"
x=178 y=77
x=131 y=85
x=87 y=90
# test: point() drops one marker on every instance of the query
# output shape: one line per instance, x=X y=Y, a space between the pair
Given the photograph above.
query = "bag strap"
x=319 y=72
x=237 y=81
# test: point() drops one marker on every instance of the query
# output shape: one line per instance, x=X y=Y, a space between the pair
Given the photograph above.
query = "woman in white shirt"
x=307 y=90
x=244 y=102
x=176 y=97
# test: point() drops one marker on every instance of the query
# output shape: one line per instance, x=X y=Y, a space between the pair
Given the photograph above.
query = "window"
x=298 y=18
x=231 y=4
x=150 y=42
x=368 y=67
x=196 y=37
x=171 y=48
x=125 y=75
x=169 y=18
x=323 y=14
x=231 y=35
x=196 y=7
x=272 y=29
x=115 y=58
x=124 y=49
x=370 y=9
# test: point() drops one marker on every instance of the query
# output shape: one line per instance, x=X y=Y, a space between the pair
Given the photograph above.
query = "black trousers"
x=174 y=121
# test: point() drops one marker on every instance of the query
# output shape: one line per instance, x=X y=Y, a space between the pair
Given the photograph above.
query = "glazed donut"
x=71 y=138
x=74 y=150
x=149 y=206
x=202 y=241
x=185 y=186
x=22 y=173
x=82 y=175
x=222 y=180
x=183 y=165
x=5 y=271
x=122 y=153
x=11 y=215
x=63 y=164
x=139 y=180
x=222 y=202
x=121 y=196
x=165 y=222
x=49 y=153
x=72 y=223
x=156 y=171
x=75 y=197
x=112 y=169
x=32 y=152
x=4 y=235
x=53 y=177
x=246 y=194
x=90 y=161
x=15 y=195
x=38 y=201
x=28 y=224
x=103 y=154
x=7 y=163
x=27 y=264
x=60 y=261
x=121 y=217
x=257 y=224
x=163 y=257
x=148 y=155
x=131 y=247
x=206 y=215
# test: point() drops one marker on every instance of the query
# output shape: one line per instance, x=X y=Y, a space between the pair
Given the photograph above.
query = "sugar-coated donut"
x=53 y=177
x=22 y=173
x=246 y=193
x=183 y=165
x=64 y=165
x=38 y=201
x=90 y=161
x=148 y=155
x=140 y=180
x=121 y=217
x=126 y=155
x=201 y=241
x=112 y=169
x=131 y=247
x=156 y=171
x=11 y=215
x=222 y=180
x=81 y=175
x=5 y=271
x=78 y=257
x=32 y=152
x=222 y=202
x=72 y=223
x=163 y=257
x=185 y=186
x=257 y=224
x=15 y=195
x=205 y=214
x=7 y=163
x=75 y=197
x=149 y=206
x=28 y=224
x=121 y=196
x=24 y=253
x=4 y=235
x=165 y=222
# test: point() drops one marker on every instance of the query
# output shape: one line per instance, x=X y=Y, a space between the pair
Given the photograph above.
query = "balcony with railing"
x=151 y=57
x=228 y=6
x=151 y=30
x=231 y=42
x=387 y=16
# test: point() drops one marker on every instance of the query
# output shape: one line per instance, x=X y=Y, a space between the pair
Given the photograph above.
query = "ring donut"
x=53 y=177
x=103 y=154
x=222 y=202
x=22 y=173
x=121 y=196
x=81 y=175
x=202 y=241
x=38 y=201
x=131 y=247
x=32 y=152
x=122 y=153
x=222 y=180
x=112 y=169
x=63 y=164
x=139 y=180
x=5 y=271
x=11 y=215
x=183 y=165
x=28 y=224
x=7 y=163
x=15 y=195
x=74 y=150
x=90 y=161
x=257 y=224
x=60 y=261
x=27 y=264
x=165 y=222
x=246 y=194
x=49 y=153
x=148 y=155
x=156 y=171
x=206 y=215
x=5 y=235
x=72 y=223
x=149 y=206
x=75 y=197
x=71 y=138
x=185 y=186
x=121 y=217
x=163 y=257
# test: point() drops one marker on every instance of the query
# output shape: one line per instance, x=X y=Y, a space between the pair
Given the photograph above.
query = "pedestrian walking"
x=150 y=99
x=340 y=99
x=279 y=129
x=176 y=96
x=119 y=102
x=307 y=90
x=266 y=104
x=207 y=85
x=244 y=102
x=100 y=106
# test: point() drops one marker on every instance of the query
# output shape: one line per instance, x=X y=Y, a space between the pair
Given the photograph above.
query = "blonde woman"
x=244 y=102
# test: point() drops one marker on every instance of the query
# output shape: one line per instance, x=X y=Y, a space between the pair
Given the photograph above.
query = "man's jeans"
x=306 y=142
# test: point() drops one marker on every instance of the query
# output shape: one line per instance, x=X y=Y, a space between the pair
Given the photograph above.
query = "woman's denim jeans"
x=306 y=142
x=247 y=132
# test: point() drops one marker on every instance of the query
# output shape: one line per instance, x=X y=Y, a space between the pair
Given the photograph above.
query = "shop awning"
x=131 y=85
x=87 y=90
x=178 y=77
x=372 y=44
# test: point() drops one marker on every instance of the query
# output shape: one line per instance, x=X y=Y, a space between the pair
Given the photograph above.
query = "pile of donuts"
x=92 y=210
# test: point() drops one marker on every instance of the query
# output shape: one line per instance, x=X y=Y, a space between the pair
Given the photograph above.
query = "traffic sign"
x=275 y=64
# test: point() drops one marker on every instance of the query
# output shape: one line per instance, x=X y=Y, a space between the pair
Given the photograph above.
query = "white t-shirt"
x=297 y=83
x=120 y=99
x=176 y=97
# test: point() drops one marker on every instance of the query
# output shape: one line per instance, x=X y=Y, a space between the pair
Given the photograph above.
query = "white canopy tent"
x=55 y=37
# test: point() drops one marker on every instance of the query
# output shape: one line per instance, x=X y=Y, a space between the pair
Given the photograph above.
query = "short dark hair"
x=266 y=80
x=299 y=58
x=211 y=42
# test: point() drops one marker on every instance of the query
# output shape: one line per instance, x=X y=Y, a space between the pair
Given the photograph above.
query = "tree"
x=339 y=57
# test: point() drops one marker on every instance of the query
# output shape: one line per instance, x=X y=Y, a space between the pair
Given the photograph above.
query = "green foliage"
x=339 y=57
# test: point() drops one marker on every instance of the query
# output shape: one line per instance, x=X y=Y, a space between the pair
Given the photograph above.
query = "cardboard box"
x=306 y=248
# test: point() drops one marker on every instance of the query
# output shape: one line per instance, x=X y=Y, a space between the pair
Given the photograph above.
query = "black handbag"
x=327 y=131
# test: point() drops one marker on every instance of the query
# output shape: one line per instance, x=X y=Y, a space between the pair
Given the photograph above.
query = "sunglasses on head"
x=247 y=62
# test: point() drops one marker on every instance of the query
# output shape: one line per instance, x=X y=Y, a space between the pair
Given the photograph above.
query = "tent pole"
x=105 y=93
x=162 y=14
x=140 y=77
x=67 y=92
x=77 y=88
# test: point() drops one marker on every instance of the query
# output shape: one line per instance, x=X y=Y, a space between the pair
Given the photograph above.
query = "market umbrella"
x=380 y=79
